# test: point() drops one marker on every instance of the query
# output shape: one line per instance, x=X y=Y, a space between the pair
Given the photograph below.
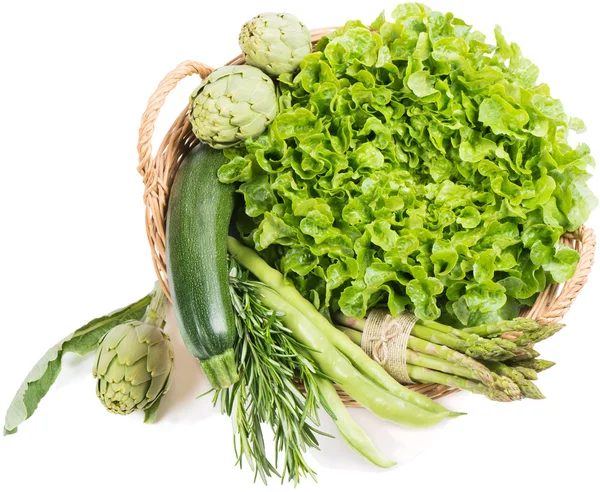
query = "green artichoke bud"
x=275 y=43
x=133 y=367
x=134 y=362
x=232 y=104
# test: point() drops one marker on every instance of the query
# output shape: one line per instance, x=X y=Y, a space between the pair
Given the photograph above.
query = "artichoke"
x=275 y=43
x=133 y=367
x=232 y=104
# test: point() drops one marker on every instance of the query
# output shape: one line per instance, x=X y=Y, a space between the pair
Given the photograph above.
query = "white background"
x=74 y=81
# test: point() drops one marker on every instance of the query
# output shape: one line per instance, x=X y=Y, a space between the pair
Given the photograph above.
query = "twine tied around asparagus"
x=385 y=340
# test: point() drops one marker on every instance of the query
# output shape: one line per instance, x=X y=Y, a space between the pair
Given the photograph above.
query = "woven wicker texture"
x=159 y=170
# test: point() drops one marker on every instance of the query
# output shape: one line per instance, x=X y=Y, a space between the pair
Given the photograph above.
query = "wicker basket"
x=158 y=173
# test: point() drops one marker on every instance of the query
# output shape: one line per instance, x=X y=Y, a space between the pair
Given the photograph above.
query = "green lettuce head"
x=415 y=165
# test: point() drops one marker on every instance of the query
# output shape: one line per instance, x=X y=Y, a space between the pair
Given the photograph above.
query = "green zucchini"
x=198 y=217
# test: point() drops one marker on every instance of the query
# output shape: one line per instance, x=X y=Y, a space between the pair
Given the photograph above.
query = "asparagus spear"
x=537 y=365
x=463 y=335
x=424 y=375
x=450 y=340
x=445 y=353
x=500 y=327
x=528 y=353
x=355 y=336
x=527 y=372
x=538 y=335
x=546 y=332
x=431 y=362
x=501 y=350
x=517 y=351
x=472 y=345
x=508 y=386
x=529 y=389
x=354 y=323
x=511 y=335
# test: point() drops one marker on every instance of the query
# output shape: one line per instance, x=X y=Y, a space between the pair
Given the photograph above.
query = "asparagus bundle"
x=496 y=360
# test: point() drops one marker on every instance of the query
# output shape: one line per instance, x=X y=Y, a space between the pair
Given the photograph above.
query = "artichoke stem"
x=221 y=370
x=157 y=310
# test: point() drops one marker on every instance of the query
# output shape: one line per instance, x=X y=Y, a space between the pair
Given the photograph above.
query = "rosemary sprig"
x=270 y=361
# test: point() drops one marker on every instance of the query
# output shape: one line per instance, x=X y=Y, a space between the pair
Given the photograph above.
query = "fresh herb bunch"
x=415 y=164
x=270 y=362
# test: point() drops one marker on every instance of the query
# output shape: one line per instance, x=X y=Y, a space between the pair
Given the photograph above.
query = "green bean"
x=339 y=369
x=274 y=279
x=350 y=431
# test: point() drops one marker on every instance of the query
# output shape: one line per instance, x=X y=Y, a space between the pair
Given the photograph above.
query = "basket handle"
x=156 y=102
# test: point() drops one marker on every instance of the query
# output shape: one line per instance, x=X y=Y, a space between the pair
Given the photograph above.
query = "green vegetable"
x=44 y=373
x=343 y=362
x=497 y=329
x=415 y=166
x=527 y=372
x=350 y=431
x=134 y=362
x=275 y=43
x=544 y=332
x=354 y=335
x=529 y=389
x=425 y=375
x=232 y=104
x=478 y=348
x=537 y=365
x=432 y=362
x=508 y=386
x=197 y=224
x=447 y=354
